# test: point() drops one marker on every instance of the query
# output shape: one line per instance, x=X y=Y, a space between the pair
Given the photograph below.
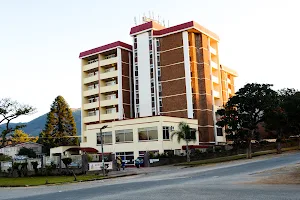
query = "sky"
x=40 y=41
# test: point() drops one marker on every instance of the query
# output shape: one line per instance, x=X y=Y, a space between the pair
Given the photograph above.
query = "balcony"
x=90 y=66
x=88 y=106
x=216 y=94
x=89 y=119
x=110 y=88
x=90 y=79
x=213 y=51
x=214 y=65
x=111 y=116
x=109 y=102
x=107 y=75
x=108 y=61
x=228 y=80
x=91 y=92
x=215 y=79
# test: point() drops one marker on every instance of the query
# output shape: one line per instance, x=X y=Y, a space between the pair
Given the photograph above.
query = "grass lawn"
x=231 y=158
x=41 y=180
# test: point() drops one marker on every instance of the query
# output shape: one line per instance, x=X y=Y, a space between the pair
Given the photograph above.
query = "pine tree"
x=60 y=126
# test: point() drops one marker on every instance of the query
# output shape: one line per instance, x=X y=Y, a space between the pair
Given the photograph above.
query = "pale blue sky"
x=40 y=40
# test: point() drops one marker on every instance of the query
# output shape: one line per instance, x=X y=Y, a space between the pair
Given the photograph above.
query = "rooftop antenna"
x=153 y=15
x=168 y=24
x=164 y=22
x=135 y=21
x=149 y=14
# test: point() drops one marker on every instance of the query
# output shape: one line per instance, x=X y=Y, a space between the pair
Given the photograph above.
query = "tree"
x=5 y=157
x=67 y=162
x=27 y=152
x=10 y=110
x=187 y=134
x=244 y=111
x=19 y=137
x=60 y=128
x=292 y=107
x=277 y=120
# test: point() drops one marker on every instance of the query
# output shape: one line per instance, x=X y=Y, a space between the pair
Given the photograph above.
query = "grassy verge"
x=232 y=158
x=41 y=180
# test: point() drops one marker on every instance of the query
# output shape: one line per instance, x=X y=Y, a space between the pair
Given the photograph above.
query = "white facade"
x=144 y=79
x=136 y=128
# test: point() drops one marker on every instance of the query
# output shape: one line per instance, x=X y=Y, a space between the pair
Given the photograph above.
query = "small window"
x=219 y=131
x=166 y=132
x=157 y=43
x=107 y=138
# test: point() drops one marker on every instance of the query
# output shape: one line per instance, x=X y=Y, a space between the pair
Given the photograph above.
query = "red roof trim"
x=174 y=28
x=104 y=48
x=84 y=149
x=183 y=26
x=141 y=27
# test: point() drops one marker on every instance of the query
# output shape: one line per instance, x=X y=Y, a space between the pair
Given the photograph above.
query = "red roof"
x=105 y=48
x=187 y=25
x=146 y=26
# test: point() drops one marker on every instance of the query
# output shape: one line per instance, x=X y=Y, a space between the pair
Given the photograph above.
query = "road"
x=224 y=181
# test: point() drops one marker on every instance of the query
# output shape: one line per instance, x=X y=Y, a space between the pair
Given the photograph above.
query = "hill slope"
x=35 y=126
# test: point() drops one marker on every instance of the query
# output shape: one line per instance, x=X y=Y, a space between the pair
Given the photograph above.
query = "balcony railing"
x=89 y=119
x=109 y=102
x=90 y=66
x=110 y=74
x=212 y=50
x=90 y=79
x=109 y=61
x=110 y=116
x=216 y=94
x=214 y=65
x=88 y=106
x=215 y=79
x=109 y=88
x=90 y=92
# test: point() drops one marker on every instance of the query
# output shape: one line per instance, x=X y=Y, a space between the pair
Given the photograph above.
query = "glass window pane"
x=152 y=133
x=142 y=134
x=128 y=135
x=120 y=136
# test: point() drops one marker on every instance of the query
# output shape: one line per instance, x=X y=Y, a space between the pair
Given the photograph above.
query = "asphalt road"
x=221 y=181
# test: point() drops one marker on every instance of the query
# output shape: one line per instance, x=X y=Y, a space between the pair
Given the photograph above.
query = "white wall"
x=187 y=69
x=137 y=145
x=144 y=74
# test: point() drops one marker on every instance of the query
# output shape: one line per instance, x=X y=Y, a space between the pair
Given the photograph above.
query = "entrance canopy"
x=83 y=149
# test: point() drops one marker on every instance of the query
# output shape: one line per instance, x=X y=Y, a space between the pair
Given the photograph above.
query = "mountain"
x=35 y=126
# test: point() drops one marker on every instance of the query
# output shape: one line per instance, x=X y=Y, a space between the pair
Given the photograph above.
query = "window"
x=93 y=86
x=149 y=133
x=107 y=138
x=157 y=43
x=111 y=69
x=160 y=102
x=166 y=132
x=159 y=87
x=124 y=135
x=94 y=99
x=158 y=57
x=93 y=113
x=111 y=96
x=110 y=110
x=219 y=131
x=127 y=157
x=110 y=56
x=109 y=83
x=135 y=53
x=193 y=134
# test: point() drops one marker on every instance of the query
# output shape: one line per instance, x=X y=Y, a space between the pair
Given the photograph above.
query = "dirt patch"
x=284 y=175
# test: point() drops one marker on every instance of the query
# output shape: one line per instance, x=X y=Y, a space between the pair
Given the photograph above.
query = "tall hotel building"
x=166 y=76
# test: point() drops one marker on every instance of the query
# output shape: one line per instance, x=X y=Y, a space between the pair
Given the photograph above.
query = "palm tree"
x=184 y=132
